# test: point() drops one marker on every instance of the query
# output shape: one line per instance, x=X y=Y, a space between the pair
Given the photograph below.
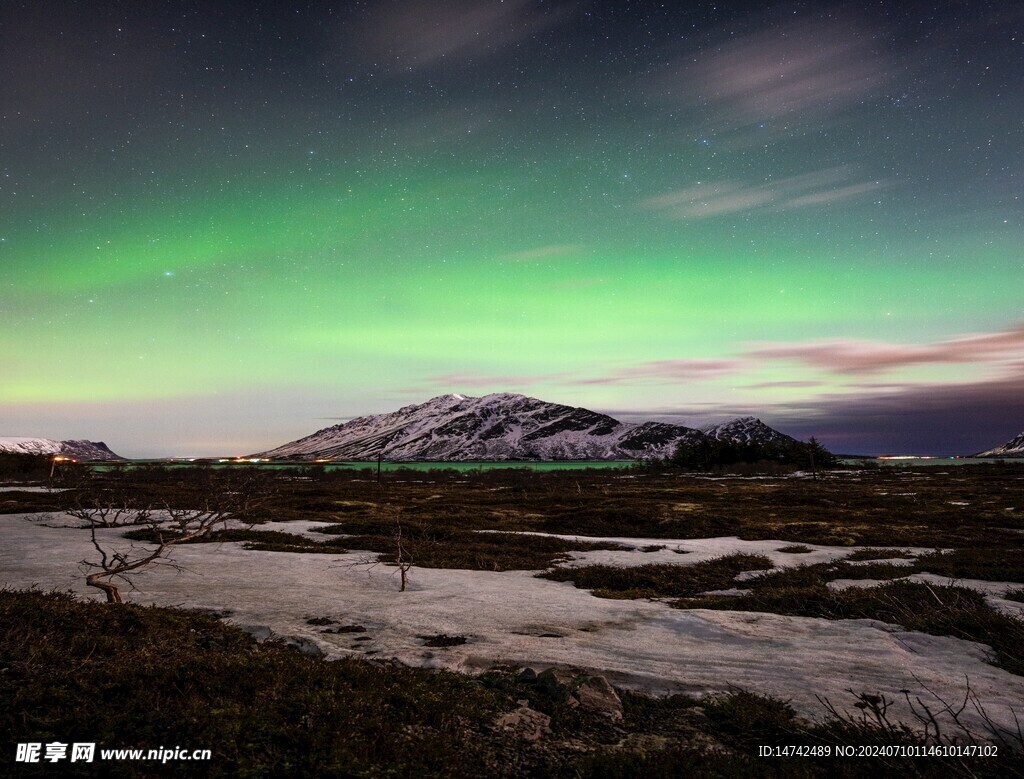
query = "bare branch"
x=173 y=525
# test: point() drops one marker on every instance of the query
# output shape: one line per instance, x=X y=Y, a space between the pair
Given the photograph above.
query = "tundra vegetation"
x=189 y=679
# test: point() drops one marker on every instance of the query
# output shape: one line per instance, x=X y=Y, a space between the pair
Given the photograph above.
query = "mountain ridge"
x=504 y=426
x=1012 y=448
x=76 y=449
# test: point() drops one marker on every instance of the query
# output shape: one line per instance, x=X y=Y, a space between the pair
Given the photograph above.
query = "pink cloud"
x=469 y=379
x=416 y=34
x=655 y=370
x=670 y=370
x=858 y=356
x=784 y=384
x=814 y=188
x=803 y=69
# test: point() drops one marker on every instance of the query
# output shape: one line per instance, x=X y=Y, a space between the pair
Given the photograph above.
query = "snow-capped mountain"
x=502 y=426
x=1012 y=448
x=75 y=449
x=747 y=429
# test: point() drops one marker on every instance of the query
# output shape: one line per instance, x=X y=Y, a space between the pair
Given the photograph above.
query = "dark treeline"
x=709 y=454
x=25 y=467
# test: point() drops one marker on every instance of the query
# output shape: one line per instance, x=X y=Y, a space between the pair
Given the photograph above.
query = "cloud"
x=669 y=370
x=800 y=70
x=816 y=188
x=857 y=356
x=469 y=379
x=828 y=197
x=935 y=418
x=784 y=384
x=655 y=370
x=704 y=200
x=418 y=34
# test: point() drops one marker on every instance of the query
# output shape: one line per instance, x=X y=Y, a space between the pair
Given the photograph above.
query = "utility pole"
x=53 y=465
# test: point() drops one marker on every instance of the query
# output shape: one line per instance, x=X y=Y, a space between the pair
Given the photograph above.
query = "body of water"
x=918 y=462
x=561 y=465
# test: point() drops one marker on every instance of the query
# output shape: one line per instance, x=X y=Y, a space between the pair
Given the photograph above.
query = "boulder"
x=591 y=693
x=525 y=723
x=595 y=694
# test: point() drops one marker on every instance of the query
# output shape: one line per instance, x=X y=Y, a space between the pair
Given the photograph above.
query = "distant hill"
x=503 y=426
x=1012 y=448
x=747 y=430
x=75 y=449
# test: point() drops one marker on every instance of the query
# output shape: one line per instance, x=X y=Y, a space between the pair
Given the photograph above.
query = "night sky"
x=226 y=225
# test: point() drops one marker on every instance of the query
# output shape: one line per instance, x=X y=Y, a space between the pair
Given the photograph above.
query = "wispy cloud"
x=932 y=418
x=505 y=382
x=858 y=356
x=656 y=371
x=668 y=370
x=796 y=384
x=830 y=196
x=805 y=69
x=708 y=199
x=925 y=418
x=418 y=34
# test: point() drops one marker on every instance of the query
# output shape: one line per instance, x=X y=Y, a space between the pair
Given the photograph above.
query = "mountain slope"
x=1012 y=448
x=747 y=429
x=75 y=449
x=502 y=426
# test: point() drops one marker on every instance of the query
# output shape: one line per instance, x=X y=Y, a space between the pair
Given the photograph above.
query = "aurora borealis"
x=223 y=224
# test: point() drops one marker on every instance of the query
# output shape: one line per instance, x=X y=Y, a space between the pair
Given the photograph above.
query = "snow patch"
x=637 y=644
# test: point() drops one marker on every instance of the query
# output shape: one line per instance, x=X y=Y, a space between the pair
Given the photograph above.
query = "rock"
x=525 y=722
x=556 y=680
x=303 y=645
x=321 y=621
x=259 y=632
x=345 y=629
x=591 y=693
x=595 y=694
x=527 y=676
x=443 y=640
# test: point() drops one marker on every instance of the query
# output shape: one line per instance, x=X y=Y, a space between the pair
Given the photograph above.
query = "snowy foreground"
x=515 y=619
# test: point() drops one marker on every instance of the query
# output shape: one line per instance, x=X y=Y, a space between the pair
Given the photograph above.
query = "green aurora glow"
x=368 y=269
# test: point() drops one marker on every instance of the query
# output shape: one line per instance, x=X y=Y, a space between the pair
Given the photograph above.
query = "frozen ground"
x=697 y=550
x=516 y=619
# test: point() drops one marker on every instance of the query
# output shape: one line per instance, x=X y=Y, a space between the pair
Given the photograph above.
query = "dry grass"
x=659 y=581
